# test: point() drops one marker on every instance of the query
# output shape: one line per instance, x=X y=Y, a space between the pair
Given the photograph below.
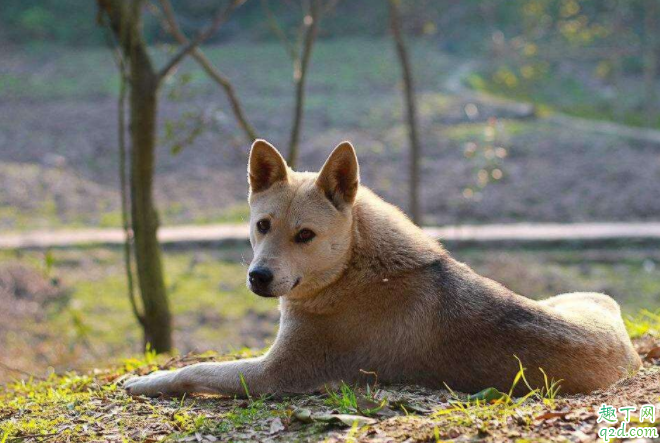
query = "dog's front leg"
x=259 y=376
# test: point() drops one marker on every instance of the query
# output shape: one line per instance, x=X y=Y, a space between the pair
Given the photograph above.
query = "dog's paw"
x=153 y=385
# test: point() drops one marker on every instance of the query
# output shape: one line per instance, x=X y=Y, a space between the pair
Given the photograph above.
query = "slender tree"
x=124 y=18
x=300 y=66
x=301 y=55
x=411 y=110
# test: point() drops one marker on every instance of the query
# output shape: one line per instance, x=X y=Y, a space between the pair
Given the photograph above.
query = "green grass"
x=552 y=92
x=643 y=323
x=83 y=407
x=353 y=400
x=339 y=66
x=93 y=407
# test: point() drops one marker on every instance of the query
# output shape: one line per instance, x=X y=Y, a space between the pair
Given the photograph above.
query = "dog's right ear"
x=265 y=167
x=340 y=176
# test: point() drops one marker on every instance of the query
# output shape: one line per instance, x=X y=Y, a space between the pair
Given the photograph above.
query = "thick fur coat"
x=364 y=291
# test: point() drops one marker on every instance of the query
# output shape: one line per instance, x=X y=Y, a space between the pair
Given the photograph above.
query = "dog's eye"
x=304 y=236
x=263 y=226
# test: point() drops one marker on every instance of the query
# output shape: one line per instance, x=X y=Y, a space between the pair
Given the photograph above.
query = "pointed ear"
x=340 y=176
x=265 y=167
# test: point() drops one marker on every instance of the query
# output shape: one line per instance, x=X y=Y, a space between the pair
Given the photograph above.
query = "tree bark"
x=411 y=110
x=125 y=22
x=143 y=98
x=123 y=184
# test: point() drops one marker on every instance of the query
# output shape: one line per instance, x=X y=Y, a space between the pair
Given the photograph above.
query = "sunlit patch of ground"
x=92 y=407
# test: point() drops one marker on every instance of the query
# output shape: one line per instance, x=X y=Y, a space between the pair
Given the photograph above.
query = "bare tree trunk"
x=300 y=66
x=125 y=22
x=411 y=110
x=143 y=98
x=650 y=59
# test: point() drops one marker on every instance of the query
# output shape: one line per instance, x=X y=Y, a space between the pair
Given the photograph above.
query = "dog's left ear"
x=340 y=176
x=265 y=167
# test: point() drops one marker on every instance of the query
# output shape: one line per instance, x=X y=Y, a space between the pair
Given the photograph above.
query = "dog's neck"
x=384 y=243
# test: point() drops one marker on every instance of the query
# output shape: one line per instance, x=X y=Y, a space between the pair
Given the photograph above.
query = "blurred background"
x=462 y=113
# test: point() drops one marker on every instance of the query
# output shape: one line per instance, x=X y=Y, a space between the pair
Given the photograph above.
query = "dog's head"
x=300 y=222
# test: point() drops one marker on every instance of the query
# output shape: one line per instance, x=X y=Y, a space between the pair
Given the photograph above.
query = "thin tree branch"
x=411 y=108
x=170 y=24
x=300 y=68
x=219 y=19
x=279 y=32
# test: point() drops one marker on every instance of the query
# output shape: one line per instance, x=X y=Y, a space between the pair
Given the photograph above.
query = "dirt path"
x=518 y=232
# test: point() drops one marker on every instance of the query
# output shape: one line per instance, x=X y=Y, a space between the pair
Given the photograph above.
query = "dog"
x=364 y=291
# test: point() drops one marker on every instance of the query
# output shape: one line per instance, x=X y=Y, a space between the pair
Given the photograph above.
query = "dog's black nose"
x=260 y=278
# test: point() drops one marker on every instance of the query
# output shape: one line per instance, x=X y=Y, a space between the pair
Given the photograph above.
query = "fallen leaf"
x=386 y=412
x=366 y=405
x=303 y=415
x=411 y=407
x=347 y=419
x=653 y=353
x=276 y=426
x=552 y=414
x=489 y=395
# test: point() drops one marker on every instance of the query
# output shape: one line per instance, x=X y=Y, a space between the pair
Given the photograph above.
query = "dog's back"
x=419 y=316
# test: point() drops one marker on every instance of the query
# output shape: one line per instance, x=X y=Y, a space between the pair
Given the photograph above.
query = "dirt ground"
x=83 y=408
x=58 y=155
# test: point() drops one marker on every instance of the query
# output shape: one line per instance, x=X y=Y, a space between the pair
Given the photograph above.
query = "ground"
x=94 y=407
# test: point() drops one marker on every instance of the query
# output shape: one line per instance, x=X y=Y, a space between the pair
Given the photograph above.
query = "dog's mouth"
x=266 y=292
x=263 y=293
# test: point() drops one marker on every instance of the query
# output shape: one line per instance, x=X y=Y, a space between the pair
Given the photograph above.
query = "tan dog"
x=363 y=289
